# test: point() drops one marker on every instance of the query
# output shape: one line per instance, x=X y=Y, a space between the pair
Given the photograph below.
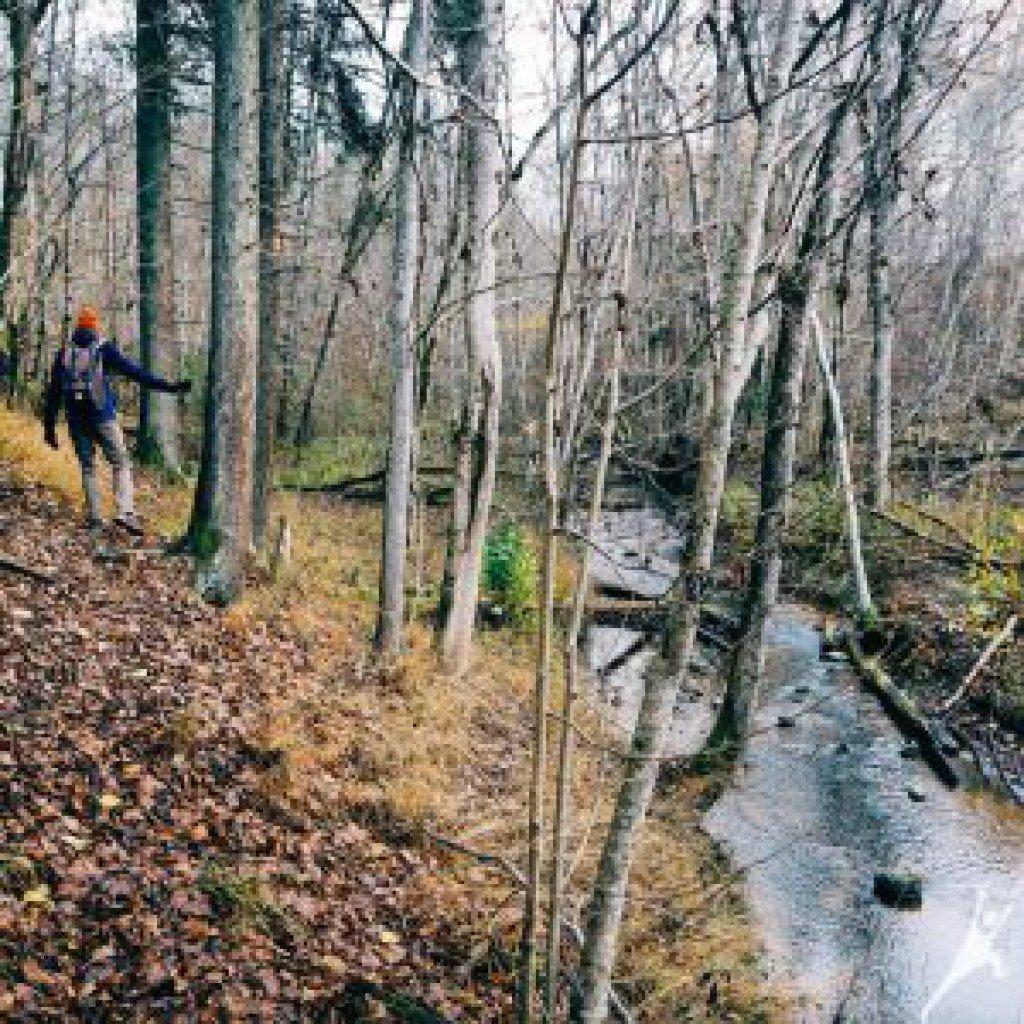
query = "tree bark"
x=841 y=448
x=391 y=617
x=742 y=252
x=23 y=18
x=563 y=791
x=271 y=147
x=531 y=917
x=476 y=457
x=221 y=528
x=158 y=426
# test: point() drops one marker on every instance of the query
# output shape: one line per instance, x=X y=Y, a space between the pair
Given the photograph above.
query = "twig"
x=986 y=656
x=960 y=554
x=13 y=565
x=507 y=868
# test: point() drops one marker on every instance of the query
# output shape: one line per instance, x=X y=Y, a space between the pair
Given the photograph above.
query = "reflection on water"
x=818 y=809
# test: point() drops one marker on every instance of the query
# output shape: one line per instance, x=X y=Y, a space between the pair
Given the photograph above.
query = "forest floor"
x=243 y=815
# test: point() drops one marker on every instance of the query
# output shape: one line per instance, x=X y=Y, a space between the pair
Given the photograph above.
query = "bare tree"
x=391 y=618
x=478 y=428
x=741 y=249
x=271 y=146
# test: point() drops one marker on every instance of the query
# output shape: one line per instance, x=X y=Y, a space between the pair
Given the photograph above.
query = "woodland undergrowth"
x=246 y=811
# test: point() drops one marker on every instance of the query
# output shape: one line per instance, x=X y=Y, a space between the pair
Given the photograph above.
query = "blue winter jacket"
x=112 y=359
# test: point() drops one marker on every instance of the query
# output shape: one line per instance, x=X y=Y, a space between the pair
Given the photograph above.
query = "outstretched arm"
x=114 y=359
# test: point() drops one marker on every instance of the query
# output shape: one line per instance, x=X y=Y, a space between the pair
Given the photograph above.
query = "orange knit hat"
x=88 y=318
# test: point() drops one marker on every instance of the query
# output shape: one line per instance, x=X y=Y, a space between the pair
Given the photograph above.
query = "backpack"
x=83 y=374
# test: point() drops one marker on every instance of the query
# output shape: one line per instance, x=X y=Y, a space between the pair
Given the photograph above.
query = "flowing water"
x=818 y=808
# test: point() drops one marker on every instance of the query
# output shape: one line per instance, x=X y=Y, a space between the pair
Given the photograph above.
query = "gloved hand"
x=51 y=439
x=183 y=387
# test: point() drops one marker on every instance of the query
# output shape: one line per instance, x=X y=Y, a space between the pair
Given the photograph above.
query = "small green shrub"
x=510 y=570
x=738 y=517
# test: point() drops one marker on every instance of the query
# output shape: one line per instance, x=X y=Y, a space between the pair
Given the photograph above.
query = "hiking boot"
x=130 y=524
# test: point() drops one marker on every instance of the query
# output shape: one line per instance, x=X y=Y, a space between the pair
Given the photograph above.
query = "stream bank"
x=818 y=807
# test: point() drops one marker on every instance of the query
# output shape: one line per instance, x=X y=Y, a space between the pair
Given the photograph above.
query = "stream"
x=816 y=809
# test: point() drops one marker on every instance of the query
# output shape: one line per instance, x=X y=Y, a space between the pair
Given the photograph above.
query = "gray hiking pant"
x=109 y=436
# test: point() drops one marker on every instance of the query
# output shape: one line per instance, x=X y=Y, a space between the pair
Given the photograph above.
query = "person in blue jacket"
x=80 y=381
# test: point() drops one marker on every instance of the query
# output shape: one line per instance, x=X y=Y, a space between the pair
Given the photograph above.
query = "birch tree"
x=741 y=248
x=402 y=326
x=798 y=285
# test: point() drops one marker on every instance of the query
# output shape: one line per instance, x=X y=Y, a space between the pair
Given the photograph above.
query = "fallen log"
x=24 y=569
x=924 y=462
x=950 y=552
x=907 y=717
x=648 y=616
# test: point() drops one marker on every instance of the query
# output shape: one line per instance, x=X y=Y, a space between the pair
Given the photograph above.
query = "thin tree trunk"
x=70 y=185
x=479 y=429
x=531 y=918
x=797 y=288
x=221 y=528
x=880 y=307
x=22 y=19
x=563 y=791
x=747 y=660
x=271 y=143
x=391 y=619
x=842 y=455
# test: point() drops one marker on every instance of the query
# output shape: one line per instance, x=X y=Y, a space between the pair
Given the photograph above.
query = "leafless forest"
x=507 y=323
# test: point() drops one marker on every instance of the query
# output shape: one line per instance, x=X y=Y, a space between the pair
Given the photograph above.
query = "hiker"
x=80 y=380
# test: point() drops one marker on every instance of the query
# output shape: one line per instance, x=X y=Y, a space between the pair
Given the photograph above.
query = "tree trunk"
x=271 y=144
x=221 y=527
x=70 y=184
x=158 y=428
x=882 y=329
x=842 y=456
x=391 y=618
x=478 y=448
x=742 y=254
x=531 y=917
x=563 y=791
x=22 y=19
x=746 y=664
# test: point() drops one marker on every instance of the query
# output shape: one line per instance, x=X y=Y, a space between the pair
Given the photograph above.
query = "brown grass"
x=403 y=742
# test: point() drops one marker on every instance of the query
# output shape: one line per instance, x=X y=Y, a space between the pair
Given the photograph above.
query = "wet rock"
x=842 y=747
x=786 y=722
x=916 y=794
x=801 y=691
x=911 y=752
x=899 y=889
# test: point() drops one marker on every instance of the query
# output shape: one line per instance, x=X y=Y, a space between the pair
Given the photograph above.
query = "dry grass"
x=403 y=742
x=30 y=460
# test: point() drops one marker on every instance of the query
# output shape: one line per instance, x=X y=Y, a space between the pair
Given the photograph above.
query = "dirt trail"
x=147 y=866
